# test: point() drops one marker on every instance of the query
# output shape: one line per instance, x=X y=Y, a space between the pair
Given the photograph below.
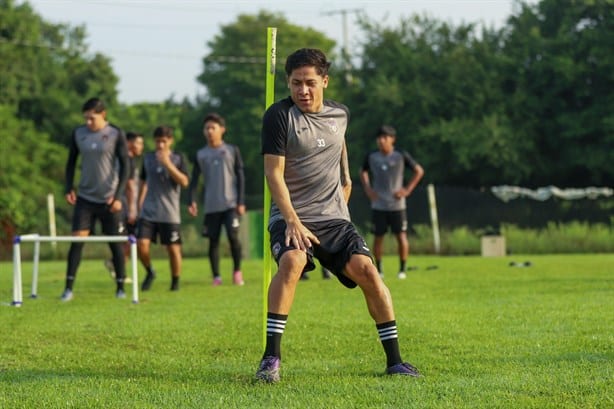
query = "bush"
x=556 y=238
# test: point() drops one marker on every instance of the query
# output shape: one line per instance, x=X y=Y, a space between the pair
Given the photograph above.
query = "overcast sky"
x=157 y=46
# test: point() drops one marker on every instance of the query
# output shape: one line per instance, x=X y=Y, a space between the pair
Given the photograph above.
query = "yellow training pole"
x=271 y=40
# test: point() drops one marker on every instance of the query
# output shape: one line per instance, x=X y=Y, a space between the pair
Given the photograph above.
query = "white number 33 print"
x=321 y=142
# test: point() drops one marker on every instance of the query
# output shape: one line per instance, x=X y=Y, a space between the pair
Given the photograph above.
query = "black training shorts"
x=86 y=213
x=170 y=233
x=395 y=219
x=339 y=240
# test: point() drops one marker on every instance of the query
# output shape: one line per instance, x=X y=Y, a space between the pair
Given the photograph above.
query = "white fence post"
x=434 y=220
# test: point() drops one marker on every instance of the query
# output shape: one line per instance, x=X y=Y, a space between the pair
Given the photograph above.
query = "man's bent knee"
x=362 y=271
x=291 y=264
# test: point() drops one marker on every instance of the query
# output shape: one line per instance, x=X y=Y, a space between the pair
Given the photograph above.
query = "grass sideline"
x=484 y=334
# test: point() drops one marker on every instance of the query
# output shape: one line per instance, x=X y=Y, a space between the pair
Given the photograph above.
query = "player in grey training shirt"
x=130 y=198
x=306 y=168
x=163 y=175
x=221 y=165
x=387 y=192
x=104 y=171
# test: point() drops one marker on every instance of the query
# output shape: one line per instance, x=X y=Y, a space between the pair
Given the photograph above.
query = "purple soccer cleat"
x=268 y=371
x=404 y=368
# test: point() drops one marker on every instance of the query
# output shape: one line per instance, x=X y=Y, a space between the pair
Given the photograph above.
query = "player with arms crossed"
x=306 y=168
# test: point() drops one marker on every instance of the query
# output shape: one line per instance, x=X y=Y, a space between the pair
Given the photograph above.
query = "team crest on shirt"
x=332 y=125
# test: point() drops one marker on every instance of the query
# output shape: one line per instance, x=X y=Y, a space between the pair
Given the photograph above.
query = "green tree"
x=47 y=72
x=234 y=76
x=145 y=117
x=31 y=167
x=439 y=85
x=559 y=78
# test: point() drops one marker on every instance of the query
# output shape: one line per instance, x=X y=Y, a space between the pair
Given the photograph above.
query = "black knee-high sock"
x=389 y=337
x=214 y=257
x=119 y=263
x=275 y=326
x=402 y=265
x=74 y=259
x=378 y=264
x=235 y=251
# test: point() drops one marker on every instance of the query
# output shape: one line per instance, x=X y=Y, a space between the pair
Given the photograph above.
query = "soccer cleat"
x=66 y=295
x=402 y=275
x=120 y=294
x=149 y=278
x=237 y=278
x=175 y=285
x=108 y=263
x=216 y=281
x=404 y=368
x=268 y=371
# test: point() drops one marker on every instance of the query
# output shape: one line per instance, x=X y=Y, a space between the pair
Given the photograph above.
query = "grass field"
x=485 y=335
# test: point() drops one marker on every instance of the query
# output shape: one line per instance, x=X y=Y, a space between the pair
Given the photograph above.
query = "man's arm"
x=174 y=172
x=121 y=152
x=346 y=179
x=415 y=179
x=240 y=175
x=69 y=177
x=192 y=205
x=366 y=181
x=142 y=194
x=296 y=234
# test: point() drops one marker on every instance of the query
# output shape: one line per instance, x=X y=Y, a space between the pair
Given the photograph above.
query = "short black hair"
x=163 y=131
x=131 y=136
x=308 y=57
x=95 y=104
x=386 y=130
x=215 y=117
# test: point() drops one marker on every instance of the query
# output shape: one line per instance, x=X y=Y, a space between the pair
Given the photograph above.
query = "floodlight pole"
x=345 y=48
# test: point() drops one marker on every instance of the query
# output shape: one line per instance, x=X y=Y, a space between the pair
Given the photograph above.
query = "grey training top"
x=224 y=180
x=104 y=163
x=387 y=173
x=312 y=144
x=161 y=204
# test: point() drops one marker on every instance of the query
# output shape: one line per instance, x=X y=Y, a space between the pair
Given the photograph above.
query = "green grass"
x=484 y=334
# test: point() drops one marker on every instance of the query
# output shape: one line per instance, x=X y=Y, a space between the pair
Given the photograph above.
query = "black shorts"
x=395 y=219
x=170 y=233
x=339 y=240
x=212 y=224
x=86 y=213
x=130 y=228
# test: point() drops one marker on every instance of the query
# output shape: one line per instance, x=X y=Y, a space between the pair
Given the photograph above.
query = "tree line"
x=529 y=103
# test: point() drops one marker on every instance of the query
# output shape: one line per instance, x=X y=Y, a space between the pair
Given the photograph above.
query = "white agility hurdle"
x=37 y=239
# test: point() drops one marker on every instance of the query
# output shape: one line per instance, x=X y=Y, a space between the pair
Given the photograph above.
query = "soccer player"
x=130 y=199
x=221 y=165
x=387 y=166
x=306 y=168
x=102 y=147
x=163 y=175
